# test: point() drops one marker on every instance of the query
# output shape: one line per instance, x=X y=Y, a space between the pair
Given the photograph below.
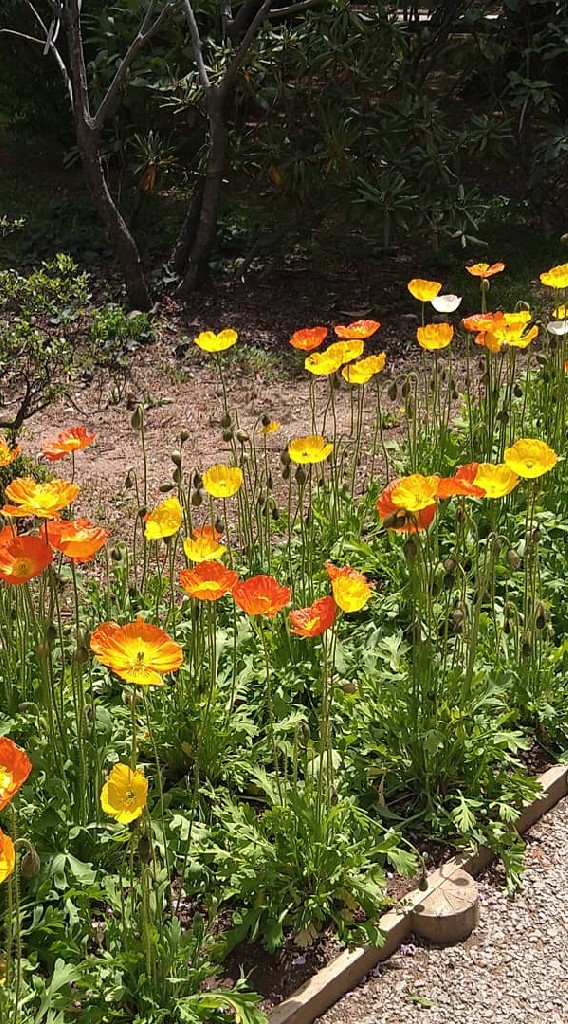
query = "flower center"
x=5 y=779
x=139 y=658
x=22 y=567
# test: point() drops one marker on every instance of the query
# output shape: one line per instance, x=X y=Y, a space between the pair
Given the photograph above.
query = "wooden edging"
x=446 y=912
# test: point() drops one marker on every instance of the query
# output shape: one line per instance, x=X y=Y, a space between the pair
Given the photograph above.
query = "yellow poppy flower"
x=7 y=454
x=222 y=481
x=415 y=492
x=422 y=290
x=138 y=652
x=164 y=520
x=211 y=342
x=347 y=350
x=435 y=336
x=323 y=364
x=362 y=371
x=529 y=457
x=7 y=856
x=203 y=545
x=30 y=498
x=556 y=277
x=271 y=427
x=309 y=450
x=124 y=795
x=350 y=588
x=496 y=480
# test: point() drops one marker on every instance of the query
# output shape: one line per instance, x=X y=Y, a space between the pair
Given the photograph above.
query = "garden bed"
x=329 y=620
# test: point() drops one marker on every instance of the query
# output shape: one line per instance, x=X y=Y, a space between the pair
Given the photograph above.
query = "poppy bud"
x=503 y=417
x=535 y=535
x=197 y=480
x=164 y=488
x=183 y=436
x=196 y=499
x=51 y=634
x=405 y=389
x=129 y=482
x=394 y=519
x=542 y=615
x=145 y=849
x=286 y=473
x=30 y=864
x=81 y=655
x=176 y=475
x=265 y=420
x=176 y=458
x=300 y=476
x=137 y=418
x=410 y=549
x=226 y=421
x=285 y=457
x=142 y=512
x=449 y=564
x=116 y=554
x=242 y=436
x=518 y=391
x=227 y=435
x=219 y=525
x=392 y=391
x=513 y=558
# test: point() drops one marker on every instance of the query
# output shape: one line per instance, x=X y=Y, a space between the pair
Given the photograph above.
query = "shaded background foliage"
x=354 y=114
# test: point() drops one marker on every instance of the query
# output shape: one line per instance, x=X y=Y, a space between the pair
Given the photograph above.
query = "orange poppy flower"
x=7 y=454
x=308 y=338
x=261 y=595
x=399 y=518
x=480 y=322
x=72 y=440
x=22 y=558
x=7 y=856
x=358 y=329
x=208 y=581
x=314 y=620
x=351 y=591
x=203 y=544
x=28 y=498
x=461 y=483
x=484 y=269
x=138 y=652
x=78 y=539
x=15 y=766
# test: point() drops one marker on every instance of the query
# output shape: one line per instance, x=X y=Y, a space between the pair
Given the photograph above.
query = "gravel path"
x=513 y=969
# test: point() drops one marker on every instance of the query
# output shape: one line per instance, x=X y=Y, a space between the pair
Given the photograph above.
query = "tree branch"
x=197 y=45
x=230 y=75
x=145 y=32
x=48 y=42
x=286 y=12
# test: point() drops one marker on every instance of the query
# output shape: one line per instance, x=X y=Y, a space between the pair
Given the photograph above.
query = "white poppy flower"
x=446 y=303
x=557 y=327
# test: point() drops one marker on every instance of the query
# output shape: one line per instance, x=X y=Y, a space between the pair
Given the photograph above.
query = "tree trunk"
x=88 y=143
x=206 y=229
x=188 y=230
x=115 y=225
